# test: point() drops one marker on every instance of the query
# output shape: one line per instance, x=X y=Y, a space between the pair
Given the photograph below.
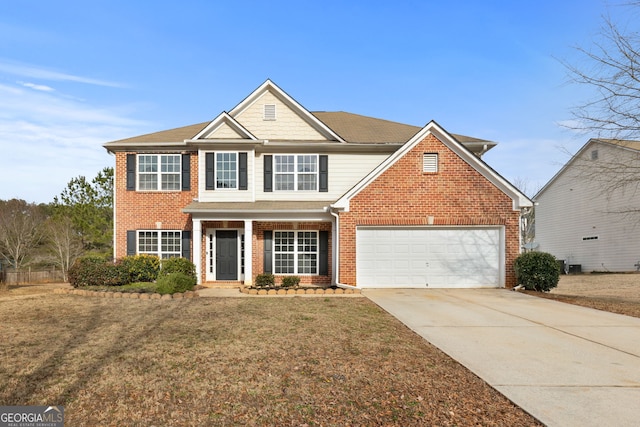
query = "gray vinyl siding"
x=573 y=210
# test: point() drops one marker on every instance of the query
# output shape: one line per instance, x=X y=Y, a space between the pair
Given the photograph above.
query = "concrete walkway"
x=566 y=365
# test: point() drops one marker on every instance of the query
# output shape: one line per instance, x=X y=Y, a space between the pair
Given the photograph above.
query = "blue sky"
x=77 y=74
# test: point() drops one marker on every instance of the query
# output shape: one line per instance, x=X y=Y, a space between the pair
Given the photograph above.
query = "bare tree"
x=611 y=68
x=21 y=231
x=63 y=243
x=528 y=215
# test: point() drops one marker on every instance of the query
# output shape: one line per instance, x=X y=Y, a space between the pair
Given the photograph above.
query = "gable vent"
x=430 y=162
x=269 y=112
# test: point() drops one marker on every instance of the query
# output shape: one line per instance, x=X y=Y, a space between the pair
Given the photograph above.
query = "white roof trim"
x=519 y=199
x=223 y=118
x=269 y=86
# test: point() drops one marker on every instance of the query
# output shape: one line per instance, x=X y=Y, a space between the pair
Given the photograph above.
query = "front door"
x=226 y=255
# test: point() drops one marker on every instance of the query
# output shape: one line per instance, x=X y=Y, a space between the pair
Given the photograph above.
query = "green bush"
x=537 y=271
x=178 y=265
x=175 y=282
x=290 y=281
x=95 y=271
x=141 y=268
x=265 y=280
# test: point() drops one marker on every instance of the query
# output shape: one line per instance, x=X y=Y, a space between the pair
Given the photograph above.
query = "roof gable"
x=224 y=127
x=291 y=121
x=519 y=199
x=623 y=145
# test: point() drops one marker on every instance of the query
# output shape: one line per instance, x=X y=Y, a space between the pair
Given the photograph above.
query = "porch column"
x=197 y=248
x=248 y=252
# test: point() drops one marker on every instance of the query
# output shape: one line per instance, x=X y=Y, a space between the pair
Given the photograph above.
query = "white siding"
x=345 y=170
x=287 y=126
x=224 y=131
x=573 y=208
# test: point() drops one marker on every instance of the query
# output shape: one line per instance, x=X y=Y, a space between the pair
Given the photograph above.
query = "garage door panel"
x=405 y=257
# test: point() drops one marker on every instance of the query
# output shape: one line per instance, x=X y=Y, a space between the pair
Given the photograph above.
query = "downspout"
x=337 y=259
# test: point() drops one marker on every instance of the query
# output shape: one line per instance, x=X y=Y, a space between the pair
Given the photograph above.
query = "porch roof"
x=262 y=206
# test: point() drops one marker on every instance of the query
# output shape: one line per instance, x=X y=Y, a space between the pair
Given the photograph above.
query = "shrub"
x=290 y=281
x=175 y=282
x=537 y=271
x=95 y=271
x=178 y=265
x=265 y=280
x=141 y=268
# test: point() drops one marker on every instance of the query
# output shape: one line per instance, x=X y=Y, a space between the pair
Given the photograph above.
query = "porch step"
x=222 y=284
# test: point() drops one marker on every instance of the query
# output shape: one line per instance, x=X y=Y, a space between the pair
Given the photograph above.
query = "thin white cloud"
x=35 y=72
x=47 y=138
x=34 y=86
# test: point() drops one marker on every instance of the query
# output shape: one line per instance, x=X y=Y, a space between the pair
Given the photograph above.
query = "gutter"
x=337 y=258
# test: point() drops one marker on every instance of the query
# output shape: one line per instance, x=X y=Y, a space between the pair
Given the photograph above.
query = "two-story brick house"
x=332 y=197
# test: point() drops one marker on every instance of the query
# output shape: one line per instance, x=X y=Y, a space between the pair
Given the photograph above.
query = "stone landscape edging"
x=194 y=294
x=308 y=291
x=131 y=295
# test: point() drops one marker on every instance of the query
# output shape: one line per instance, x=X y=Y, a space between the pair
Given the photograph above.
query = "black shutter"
x=131 y=172
x=323 y=167
x=209 y=167
x=323 y=265
x=186 y=245
x=186 y=172
x=268 y=251
x=242 y=169
x=268 y=174
x=131 y=242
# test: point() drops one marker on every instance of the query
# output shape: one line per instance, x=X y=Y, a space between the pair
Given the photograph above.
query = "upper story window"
x=226 y=170
x=296 y=172
x=159 y=172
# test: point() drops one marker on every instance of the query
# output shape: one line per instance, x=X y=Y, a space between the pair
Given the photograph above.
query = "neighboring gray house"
x=588 y=214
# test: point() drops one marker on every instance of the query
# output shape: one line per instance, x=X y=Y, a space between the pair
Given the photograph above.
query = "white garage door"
x=435 y=257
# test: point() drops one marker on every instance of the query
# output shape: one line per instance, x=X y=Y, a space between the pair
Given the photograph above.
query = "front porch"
x=230 y=253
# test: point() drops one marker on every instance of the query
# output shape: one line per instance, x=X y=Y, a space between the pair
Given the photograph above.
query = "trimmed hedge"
x=175 y=282
x=141 y=268
x=290 y=281
x=95 y=271
x=537 y=271
x=178 y=265
x=265 y=280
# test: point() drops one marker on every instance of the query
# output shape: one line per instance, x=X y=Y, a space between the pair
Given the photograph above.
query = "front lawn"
x=234 y=361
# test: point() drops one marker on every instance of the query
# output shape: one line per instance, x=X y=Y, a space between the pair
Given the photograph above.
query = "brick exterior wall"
x=403 y=195
x=141 y=210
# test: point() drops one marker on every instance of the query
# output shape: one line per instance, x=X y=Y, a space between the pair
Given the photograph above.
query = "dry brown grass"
x=617 y=293
x=234 y=361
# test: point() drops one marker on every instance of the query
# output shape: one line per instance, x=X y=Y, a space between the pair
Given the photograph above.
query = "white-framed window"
x=159 y=172
x=163 y=243
x=296 y=172
x=226 y=170
x=295 y=252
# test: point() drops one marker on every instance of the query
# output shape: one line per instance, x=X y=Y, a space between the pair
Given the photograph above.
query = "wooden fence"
x=27 y=275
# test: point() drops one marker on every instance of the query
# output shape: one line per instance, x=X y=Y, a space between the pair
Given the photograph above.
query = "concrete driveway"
x=566 y=365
